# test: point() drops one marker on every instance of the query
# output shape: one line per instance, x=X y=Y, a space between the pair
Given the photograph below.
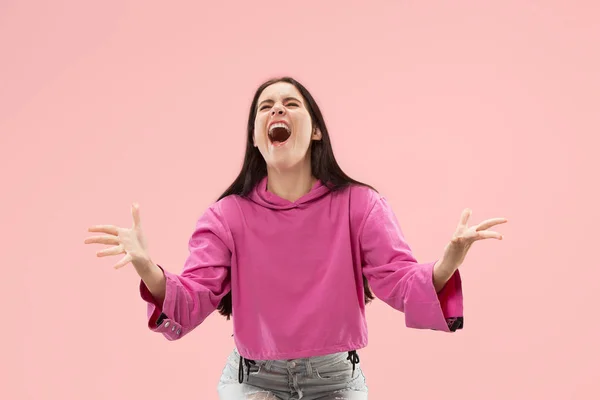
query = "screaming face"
x=283 y=129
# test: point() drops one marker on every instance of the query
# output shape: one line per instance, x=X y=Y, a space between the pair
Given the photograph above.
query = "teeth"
x=279 y=125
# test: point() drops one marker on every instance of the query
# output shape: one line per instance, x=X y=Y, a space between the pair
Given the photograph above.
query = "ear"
x=253 y=139
x=317 y=135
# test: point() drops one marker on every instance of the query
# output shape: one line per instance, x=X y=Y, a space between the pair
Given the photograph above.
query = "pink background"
x=471 y=104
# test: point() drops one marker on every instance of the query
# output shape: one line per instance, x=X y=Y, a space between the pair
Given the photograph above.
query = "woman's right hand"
x=128 y=241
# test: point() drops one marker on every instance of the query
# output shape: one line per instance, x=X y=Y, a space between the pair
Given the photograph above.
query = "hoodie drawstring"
x=247 y=363
x=353 y=358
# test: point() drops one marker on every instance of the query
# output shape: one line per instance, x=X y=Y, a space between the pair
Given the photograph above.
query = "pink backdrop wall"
x=488 y=106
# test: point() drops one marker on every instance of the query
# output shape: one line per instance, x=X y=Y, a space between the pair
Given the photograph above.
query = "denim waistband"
x=315 y=362
x=299 y=365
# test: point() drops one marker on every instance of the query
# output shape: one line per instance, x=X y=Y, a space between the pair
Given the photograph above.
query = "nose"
x=277 y=110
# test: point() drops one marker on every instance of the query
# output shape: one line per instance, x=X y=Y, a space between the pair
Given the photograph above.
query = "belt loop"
x=268 y=365
x=309 y=368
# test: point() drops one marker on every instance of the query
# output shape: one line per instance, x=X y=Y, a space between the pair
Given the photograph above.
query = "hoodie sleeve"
x=195 y=293
x=400 y=281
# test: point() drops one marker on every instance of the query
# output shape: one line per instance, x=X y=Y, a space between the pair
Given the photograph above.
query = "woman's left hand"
x=456 y=251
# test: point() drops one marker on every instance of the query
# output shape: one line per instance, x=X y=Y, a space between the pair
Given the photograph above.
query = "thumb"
x=135 y=213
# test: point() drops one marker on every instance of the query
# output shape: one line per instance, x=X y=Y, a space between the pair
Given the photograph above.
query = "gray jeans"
x=317 y=378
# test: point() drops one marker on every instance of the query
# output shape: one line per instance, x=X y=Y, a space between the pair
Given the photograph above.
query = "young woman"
x=292 y=250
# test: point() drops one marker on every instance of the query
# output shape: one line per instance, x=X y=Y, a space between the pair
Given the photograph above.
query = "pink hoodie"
x=295 y=272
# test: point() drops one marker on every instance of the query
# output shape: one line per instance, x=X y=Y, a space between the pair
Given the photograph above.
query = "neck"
x=290 y=184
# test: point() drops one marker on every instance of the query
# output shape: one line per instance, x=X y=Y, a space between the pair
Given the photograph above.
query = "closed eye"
x=288 y=105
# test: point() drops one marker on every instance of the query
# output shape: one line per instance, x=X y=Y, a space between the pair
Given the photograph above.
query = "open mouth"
x=279 y=133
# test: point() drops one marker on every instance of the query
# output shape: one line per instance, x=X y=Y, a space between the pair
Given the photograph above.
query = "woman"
x=292 y=250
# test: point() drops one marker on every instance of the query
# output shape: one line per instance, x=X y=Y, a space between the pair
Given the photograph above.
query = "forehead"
x=279 y=90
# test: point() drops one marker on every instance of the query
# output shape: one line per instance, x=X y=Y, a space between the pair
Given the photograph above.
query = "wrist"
x=442 y=272
x=143 y=265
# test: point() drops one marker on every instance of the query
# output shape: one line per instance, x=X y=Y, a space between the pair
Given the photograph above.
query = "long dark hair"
x=323 y=163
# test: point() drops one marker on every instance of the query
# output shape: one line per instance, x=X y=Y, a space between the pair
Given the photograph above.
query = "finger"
x=113 y=230
x=135 y=213
x=489 y=235
x=102 y=240
x=488 y=223
x=464 y=217
x=113 y=251
x=469 y=235
x=124 y=261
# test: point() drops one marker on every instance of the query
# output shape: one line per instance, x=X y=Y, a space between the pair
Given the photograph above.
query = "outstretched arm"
x=399 y=280
x=176 y=303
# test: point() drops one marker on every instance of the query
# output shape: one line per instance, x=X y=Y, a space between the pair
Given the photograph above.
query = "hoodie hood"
x=261 y=196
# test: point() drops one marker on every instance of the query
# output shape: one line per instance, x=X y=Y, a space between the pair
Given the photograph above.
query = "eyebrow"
x=284 y=100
